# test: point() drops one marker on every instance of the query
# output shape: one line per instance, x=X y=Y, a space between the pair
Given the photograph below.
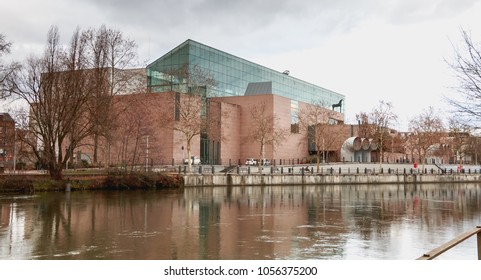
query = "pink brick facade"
x=141 y=118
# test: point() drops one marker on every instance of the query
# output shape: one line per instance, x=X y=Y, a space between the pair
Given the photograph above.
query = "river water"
x=388 y=222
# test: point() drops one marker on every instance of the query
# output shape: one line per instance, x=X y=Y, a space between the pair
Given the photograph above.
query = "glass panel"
x=233 y=74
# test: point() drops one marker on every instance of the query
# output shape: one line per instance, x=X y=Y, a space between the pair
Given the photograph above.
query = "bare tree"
x=380 y=120
x=54 y=86
x=7 y=71
x=264 y=129
x=364 y=126
x=459 y=134
x=189 y=115
x=426 y=130
x=23 y=152
x=110 y=56
x=467 y=68
x=316 y=120
x=133 y=126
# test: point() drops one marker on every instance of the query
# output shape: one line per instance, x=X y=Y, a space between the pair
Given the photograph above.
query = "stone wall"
x=195 y=180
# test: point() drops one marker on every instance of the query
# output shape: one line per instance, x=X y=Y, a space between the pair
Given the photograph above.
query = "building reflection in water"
x=323 y=222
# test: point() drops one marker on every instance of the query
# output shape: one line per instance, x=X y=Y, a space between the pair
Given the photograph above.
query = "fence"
x=213 y=169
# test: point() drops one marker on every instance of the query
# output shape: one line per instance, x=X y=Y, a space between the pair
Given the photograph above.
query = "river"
x=385 y=222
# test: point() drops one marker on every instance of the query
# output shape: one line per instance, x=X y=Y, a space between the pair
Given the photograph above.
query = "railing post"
x=479 y=243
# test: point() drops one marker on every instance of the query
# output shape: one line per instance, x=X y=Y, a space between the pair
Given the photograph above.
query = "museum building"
x=239 y=85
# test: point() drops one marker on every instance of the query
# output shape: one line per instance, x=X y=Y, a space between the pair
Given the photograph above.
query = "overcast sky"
x=368 y=50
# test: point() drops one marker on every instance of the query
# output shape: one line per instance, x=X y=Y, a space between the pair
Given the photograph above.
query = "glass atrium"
x=232 y=75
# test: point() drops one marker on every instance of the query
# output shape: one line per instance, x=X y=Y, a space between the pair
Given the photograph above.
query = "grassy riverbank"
x=28 y=183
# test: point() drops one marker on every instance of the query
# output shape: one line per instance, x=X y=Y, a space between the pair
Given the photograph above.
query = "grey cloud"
x=236 y=26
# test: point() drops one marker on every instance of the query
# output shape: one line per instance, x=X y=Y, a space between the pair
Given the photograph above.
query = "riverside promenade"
x=329 y=174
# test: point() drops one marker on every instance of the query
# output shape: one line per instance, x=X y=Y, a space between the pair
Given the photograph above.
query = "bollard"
x=248 y=170
x=200 y=169
x=213 y=169
x=282 y=169
x=365 y=170
x=312 y=170
x=238 y=169
x=339 y=170
x=185 y=169
x=389 y=171
x=272 y=169
x=357 y=170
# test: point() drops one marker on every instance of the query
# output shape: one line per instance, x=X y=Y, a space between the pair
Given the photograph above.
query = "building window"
x=177 y=106
x=294 y=116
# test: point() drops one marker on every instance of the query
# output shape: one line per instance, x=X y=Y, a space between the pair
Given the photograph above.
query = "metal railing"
x=454 y=242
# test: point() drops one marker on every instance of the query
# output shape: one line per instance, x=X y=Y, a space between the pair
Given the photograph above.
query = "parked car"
x=251 y=161
x=193 y=160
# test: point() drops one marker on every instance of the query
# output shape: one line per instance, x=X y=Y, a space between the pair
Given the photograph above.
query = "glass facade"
x=232 y=75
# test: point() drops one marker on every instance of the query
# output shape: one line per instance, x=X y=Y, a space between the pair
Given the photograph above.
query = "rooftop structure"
x=234 y=76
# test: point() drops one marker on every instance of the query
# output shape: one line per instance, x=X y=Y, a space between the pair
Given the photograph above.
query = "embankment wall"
x=196 y=180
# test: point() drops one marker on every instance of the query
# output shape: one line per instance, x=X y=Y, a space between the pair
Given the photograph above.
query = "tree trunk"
x=189 y=163
x=55 y=172
x=96 y=147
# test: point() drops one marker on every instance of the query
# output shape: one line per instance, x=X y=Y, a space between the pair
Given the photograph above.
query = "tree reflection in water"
x=290 y=222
